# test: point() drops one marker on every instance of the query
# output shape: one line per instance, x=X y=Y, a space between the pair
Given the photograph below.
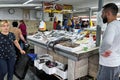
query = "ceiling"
x=77 y=4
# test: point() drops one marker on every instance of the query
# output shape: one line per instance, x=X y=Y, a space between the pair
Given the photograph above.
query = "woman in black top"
x=7 y=51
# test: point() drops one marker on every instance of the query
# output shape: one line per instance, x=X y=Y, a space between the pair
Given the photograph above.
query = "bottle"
x=91 y=41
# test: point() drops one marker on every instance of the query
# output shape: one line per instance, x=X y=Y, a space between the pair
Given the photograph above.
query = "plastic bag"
x=42 y=26
x=21 y=66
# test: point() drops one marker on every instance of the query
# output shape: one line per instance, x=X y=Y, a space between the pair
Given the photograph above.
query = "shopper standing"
x=23 y=28
x=109 y=50
x=18 y=34
x=65 y=21
x=69 y=24
x=58 y=27
x=7 y=51
x=73 y=24
x=77 y=25
x=55 y=23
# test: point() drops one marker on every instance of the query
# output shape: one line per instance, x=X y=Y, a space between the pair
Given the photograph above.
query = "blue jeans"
x=7 y=66
x=108 y=73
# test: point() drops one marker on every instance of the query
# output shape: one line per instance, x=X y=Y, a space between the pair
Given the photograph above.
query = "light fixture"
x=37 y=7
x=27 y=1
x=118 y=4
x=94 y=7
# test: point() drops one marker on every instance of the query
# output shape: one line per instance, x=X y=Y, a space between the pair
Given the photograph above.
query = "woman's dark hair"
x=15 y=24
x=112 y=7
x=22 y=21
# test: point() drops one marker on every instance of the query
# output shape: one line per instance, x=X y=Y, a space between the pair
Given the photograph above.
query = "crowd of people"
x=70 y=24
x=13 y=38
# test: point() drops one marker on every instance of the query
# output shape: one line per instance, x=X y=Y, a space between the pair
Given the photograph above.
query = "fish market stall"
x=71 y=49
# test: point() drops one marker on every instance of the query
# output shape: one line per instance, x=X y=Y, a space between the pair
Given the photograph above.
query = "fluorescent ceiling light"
x=93 y=7
x=28 y=1
x=19 y=5
x=118 y=4
x=37 y=7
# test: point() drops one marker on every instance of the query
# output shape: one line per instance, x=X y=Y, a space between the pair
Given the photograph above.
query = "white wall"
x=4 y=14
x=18 y=15
x=33 y=15
x=59 y=16
x=46 y=17
x=38 y=14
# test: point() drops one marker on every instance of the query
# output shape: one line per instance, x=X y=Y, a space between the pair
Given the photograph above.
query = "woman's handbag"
x=21 y=66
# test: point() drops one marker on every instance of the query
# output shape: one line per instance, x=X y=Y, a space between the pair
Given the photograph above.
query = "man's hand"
x=106 y=53
x=22 y=52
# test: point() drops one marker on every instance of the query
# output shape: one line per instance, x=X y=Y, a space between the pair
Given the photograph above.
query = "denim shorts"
x=108 y=73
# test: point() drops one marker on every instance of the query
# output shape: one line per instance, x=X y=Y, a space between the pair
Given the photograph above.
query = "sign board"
x=56 y=8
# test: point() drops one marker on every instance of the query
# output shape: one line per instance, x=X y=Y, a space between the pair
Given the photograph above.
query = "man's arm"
x=18 y=46
x=108 y=40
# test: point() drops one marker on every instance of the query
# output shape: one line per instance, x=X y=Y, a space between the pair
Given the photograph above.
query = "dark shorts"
x=108 y=73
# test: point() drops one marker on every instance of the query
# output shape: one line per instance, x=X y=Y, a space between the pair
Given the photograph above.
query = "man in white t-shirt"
x=109 y=50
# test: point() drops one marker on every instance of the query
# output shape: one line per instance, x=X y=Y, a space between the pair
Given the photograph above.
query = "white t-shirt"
x=111 y=41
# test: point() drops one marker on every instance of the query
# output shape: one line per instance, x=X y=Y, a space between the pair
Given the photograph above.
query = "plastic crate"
x=49 y=70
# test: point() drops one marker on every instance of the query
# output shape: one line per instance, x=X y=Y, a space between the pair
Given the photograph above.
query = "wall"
x=32 y=23
x=31 y=18
x=18 y=15
x=59 y=16
x=4 y=14
x=25 y=14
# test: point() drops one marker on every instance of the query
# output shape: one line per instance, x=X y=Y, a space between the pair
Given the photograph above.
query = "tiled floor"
x=29 y=76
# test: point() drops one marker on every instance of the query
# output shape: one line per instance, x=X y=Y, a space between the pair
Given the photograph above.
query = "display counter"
x=77 y=59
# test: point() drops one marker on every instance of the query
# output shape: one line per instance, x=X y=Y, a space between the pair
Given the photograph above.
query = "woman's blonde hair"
x=2 y=22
